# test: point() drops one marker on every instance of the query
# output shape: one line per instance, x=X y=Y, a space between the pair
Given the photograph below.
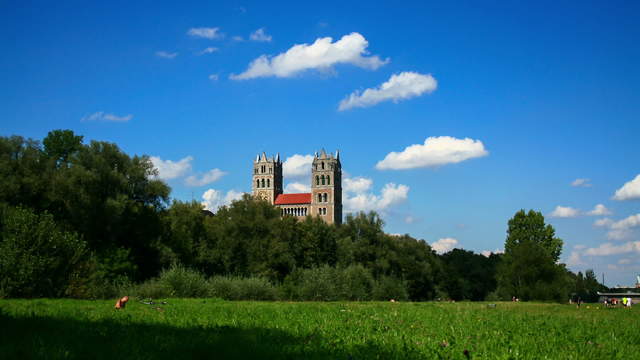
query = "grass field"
x=213 y=329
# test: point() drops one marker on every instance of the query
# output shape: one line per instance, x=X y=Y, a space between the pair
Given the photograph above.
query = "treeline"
x=87 y=221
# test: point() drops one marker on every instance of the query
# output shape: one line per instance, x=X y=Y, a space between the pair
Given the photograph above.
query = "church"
x=325 y=198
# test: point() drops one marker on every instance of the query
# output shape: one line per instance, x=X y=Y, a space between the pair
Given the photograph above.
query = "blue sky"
x=490 y=107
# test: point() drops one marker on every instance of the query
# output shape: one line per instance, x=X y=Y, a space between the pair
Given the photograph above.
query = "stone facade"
x=325 y=199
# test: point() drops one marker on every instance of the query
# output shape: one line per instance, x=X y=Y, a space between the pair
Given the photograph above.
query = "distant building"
x=325 y=198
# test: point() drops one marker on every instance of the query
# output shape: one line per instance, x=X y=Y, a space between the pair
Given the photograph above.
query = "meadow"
x=215 y=329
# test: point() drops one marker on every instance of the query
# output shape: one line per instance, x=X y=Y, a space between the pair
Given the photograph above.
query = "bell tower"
x=267 y=178
x=326 y=187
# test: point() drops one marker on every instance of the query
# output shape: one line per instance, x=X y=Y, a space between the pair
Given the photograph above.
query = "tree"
x=59 y=145
x=530 y=270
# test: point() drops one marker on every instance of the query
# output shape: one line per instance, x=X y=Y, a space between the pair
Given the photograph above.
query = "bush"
x=236 y=288
x=37 y=257
x=315 y=284
x=355 y=283
x=180 y=281
x=390 y=288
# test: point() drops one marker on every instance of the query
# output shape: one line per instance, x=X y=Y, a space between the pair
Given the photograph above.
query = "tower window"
x=328 y=180
x=257 y=181
x=319 y=197
x=322 y=166
x=262 y=182
x=270 y=170
x=324 y=197
x=268 y=183
x=322 y=178
x=317 y=180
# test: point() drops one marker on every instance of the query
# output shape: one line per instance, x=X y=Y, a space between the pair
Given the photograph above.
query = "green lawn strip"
x=207 y=328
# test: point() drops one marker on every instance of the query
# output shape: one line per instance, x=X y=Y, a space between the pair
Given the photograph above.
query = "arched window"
x=322 y=179
x=268 y=182
x=322 y=166
x=328 y=180
x=257 y=182
x=317 y=180
x=319 y=197
x=324 y=197
x=262 y=183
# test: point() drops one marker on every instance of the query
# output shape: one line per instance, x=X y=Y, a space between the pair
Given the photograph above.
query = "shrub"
x=356 y=283
x=236 y=288
x=180 y=281
x=389 y=287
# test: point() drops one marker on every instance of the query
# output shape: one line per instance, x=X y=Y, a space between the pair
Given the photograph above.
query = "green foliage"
x=237 y=288
x=388 y=288
x=37 y=258
x=529 y=270
x=59 y=145
x=467 y=275
x=183 y=282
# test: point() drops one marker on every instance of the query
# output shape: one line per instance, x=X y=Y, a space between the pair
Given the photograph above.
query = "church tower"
x=267 y=178
x=326 y=187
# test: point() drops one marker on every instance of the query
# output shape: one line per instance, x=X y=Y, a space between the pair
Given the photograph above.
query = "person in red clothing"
x=122 y=302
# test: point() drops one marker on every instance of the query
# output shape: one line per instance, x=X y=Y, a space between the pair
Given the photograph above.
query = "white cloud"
x=604 y=222
x=410 y=219
x=599 y=210
x=403 y=86
x=212 y=175
x=207 y=33
x=322 y=54
x=297 y=166
x=296 y=187
x=564 y=212
x=629 y=191
x=575 y=259
x=622 y=229
x=435 y=151
x=213 y=77
x=357 y=184
x=444 y=245
x=166 y=55
x=624 y=261
x=391 y=195
x=237 y=38
x=488 y=253
x=607 y=249
x=214 y=199
x=581 y=183
x=260 y=35
x=168 y=169
x=102 y=116
x=208 y=50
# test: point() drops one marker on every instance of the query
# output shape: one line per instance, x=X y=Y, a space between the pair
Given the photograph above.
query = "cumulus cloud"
x=436 y=151
x=390 y=196
x=607 y=249
x=168 y=169
x=237 y=38
x=599 y=210
x=322 y=54
x=357 y=184
x=102 y=116
x=604 y=222
x=297 y=165
x=214 y=199
x=166 y=54
x=410 y=219
x=296 y=187
x=207 y=33
x=403 y=86
x=564 y=212
x=629 y=191
x=260 y=35
x=575 y=259
x=212 y=175
x=444 y=245
x=622 y=229
x=208 y=50
x=213 y=77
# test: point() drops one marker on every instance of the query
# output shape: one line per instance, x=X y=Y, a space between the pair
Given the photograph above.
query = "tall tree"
x=529 y=269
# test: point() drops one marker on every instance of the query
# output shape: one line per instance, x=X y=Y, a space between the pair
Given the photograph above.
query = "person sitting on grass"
x=122 y=302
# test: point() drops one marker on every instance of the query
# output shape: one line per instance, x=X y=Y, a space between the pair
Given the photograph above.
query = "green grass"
x=212 y=329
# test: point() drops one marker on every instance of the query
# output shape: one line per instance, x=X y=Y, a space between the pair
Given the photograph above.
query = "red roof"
x=289 y=199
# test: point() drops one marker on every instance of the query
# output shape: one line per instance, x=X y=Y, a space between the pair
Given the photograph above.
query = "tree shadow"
x=38 y=337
